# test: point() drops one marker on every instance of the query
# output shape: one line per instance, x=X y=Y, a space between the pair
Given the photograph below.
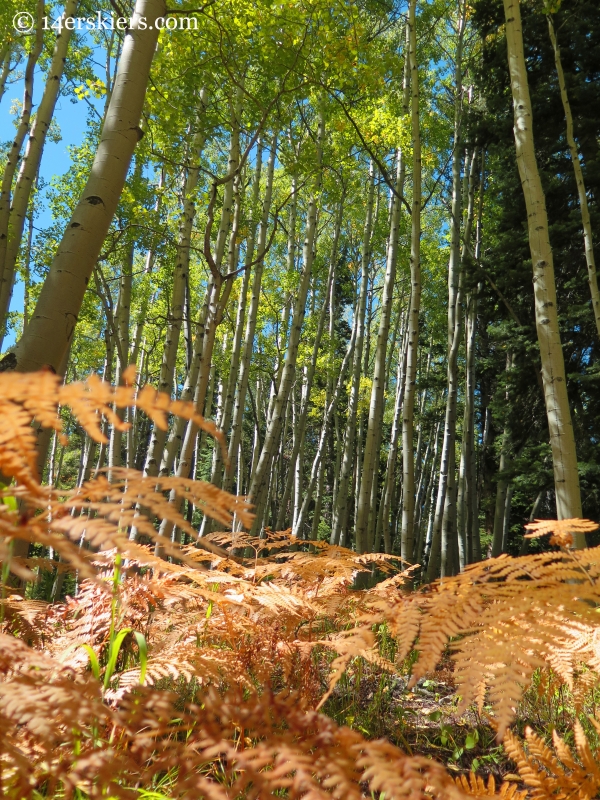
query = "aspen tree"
x=236 y=351
x=121 y=333
x=50 y=330
x=244 y=370
x=383 y=515
x=560 y=426
x=9 y=247
x=468 y=522
x=445 y=508
x=376 y=406
x=147 y=291
x=14 y=153
x=300 y=423
x=260 y=482
x=583 y=202
x=299 y=523
x=180 y=277
x=6 y=54
x=502 y=487
x=340 y=515
x=408 y=460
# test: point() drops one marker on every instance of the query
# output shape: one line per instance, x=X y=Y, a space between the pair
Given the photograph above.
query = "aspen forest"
x=299 y=399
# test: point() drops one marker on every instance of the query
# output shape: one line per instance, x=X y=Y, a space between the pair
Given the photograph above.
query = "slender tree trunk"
x=445 y=518
x=260 y=482
x=562 y=437
x=31 y=163
x=408 y=460
x=51 y=328
x=323 y=439
x=146 y=291
x=122 y=317
x=300 y=424
x=583 y=203
x=236 y=350
x=6 y=53
x=505 y=459
x=383 y=516
x=180 y=281
x=14 y=153
x=364 y=542
x=340 y=516
x=244 y=371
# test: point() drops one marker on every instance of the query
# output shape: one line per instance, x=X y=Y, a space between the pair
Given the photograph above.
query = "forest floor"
x=426 y=719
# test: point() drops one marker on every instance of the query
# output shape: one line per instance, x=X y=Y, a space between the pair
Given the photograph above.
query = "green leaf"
x=94 y=663
x=113 y=654
x=471 y=740
x=143 y=648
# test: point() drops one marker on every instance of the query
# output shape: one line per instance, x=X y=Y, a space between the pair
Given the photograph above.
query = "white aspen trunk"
x=502 y=487
x=467 y=500
x=224 y=407
x=180 y=280
x=14 y=153
x=51 y=328
x=6 y=53
x=507 y=512
x=295 y=468
x=328 y=415
x=148 y=267
x=27 y=258
x=122 y=316
x=31 y=162
x=408 y=458
x=445 y=514
x=257 y=440
x=442 y=534
x=468 y=440
x=236 y=349
x=583 y=203
x=300 y=423
x=376 y=408
x=421 y=496
x=318 y=502
x=562 y=437
x=425 y=553
x=259 y=486
x=501 y=493
x=173 y=444
x=244 y=371
x=340 y=516
x=383 y=516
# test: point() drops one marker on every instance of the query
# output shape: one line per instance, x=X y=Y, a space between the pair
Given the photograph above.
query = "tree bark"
x=363 y=540
x=583 y=203
x=340 y=516
x=562 y=438
x=12 y=157
x=31 y=163
x=260 y=482
x=408 y=459
x=244 y=371
x=180 y=281
x=51 y=328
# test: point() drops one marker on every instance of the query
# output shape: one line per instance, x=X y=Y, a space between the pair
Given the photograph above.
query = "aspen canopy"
x=308 y=286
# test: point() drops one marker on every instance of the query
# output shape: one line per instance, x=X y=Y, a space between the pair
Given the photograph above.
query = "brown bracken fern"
x=199 y=665
x=207 y=666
